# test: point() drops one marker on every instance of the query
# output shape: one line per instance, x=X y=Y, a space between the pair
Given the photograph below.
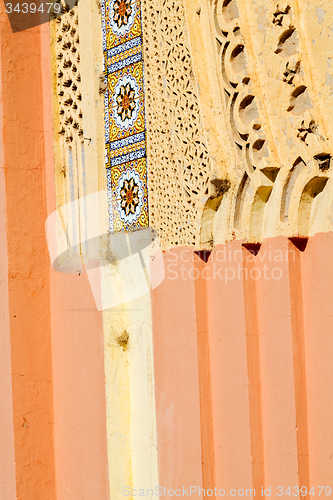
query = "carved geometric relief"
x=69 y=148
x=178 y=158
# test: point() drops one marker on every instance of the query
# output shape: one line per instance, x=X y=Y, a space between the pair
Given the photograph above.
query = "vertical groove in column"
x=254 y=367
x=205 y=386
x=296 y=246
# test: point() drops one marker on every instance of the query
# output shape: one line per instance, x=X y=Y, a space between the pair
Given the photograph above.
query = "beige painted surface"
x=131 y=417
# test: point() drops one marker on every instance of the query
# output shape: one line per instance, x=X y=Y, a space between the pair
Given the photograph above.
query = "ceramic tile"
x=125 y=134
x=123 y=21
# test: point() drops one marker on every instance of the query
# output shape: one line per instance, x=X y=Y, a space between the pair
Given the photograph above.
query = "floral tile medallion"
x=125 y=134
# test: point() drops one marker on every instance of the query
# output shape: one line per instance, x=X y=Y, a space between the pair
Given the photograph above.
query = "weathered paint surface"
x=129 y=375
x=7 y=456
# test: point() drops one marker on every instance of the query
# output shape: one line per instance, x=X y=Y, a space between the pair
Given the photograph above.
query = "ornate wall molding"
x=276 y=147
x=237 y=127
x=67 y=102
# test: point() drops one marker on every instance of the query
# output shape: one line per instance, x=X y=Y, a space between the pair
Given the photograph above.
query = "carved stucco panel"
x=268 y=125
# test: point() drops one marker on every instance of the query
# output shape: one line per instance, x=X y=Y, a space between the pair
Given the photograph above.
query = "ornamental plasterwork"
x=69 y=154
x=234 y=106
x=268 y=124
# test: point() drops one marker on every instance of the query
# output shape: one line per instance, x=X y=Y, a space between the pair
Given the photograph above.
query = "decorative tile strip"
x=125 y=128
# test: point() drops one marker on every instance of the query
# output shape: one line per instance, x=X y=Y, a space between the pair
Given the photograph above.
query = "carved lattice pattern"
x=68 y=76
x=179 y=163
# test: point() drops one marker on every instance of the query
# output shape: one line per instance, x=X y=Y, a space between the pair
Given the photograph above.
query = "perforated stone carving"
x=68 y=76
x=69 y=147
x=178 y=158
x=242 y=102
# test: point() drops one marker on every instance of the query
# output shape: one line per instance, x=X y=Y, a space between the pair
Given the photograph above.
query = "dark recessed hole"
x=288 y=43
x=253 y=248
x=258 y=144
x=221 y=186
x=67 y=64
x=324 y=161
x=246 y=101
x=65 y=27
x=299 y=243
x=67 y=83
x=270 y=172
x=203 y=255
x=237 y=50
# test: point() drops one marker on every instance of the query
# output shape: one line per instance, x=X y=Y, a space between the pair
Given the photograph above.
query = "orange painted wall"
x=28 y=263
x=317 y=287
x=264 y=417
x=7 y=457
x=55 y=354
x=176 y=375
